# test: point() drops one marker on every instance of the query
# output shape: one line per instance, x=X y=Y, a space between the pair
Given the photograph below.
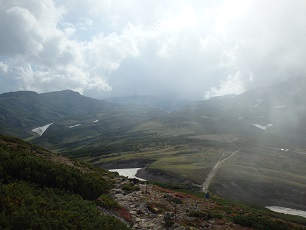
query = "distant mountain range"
x=22 y=111
x=278 y=111
x=180 y=140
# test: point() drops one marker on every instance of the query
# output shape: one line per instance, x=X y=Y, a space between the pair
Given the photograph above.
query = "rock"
x=127 y=197
x=139 y=212
x=143 y=205
x=168 y=216
x=143 y=188
x=144 y=225
x=117 y=191
x=137 y=219
x=176 y=226
x=119 y=196
x=190 y=218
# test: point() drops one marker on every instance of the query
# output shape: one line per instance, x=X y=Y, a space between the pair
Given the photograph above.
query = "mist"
x=189 y=49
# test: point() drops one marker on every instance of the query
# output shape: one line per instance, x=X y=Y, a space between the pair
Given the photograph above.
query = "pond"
x=128 y=172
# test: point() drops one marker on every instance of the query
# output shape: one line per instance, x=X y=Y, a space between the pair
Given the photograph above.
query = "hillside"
x=265 y=126
x=22 y=111
x=40 y=189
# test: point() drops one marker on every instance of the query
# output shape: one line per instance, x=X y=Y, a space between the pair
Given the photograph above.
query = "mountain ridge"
x=186 y=143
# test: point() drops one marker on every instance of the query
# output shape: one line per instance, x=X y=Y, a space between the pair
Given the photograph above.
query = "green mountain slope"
x=22 y=111
x=263 y=125
x=39 y=190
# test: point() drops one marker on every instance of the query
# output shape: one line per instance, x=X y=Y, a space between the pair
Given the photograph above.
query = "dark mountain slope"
x=40 y=190
x=22 y=111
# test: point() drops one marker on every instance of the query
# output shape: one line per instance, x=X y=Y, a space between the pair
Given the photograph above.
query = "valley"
x=248 y=148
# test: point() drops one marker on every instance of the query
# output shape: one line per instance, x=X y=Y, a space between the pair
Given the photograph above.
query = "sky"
x=188 y=49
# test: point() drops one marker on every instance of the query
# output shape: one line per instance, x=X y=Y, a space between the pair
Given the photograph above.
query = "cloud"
x=232 y=85
x=190 y=49
x=44 y=57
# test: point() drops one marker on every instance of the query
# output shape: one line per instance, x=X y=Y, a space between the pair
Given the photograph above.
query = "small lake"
x=287 y=211
x=130 y=173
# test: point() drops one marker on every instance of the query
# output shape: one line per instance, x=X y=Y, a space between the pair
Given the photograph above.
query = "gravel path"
x=214 y=170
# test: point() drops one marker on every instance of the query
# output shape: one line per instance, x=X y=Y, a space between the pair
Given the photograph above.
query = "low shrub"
x=253 y=221
x=106 y=201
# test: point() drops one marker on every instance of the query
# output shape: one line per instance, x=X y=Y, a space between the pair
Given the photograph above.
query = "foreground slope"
x=43 y=191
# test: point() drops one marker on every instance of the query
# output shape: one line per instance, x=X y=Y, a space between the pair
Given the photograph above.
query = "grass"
x=258 y=169
x=255 y=173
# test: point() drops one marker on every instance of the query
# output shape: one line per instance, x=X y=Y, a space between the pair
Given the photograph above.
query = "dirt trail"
x=214 y=170
x=212 y=173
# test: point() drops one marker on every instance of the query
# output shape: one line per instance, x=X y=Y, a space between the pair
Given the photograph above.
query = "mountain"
x=278 y=110
x=255 y=140
x=20 y=112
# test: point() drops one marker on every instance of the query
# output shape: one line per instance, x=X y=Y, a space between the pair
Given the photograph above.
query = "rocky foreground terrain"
x=152 y=207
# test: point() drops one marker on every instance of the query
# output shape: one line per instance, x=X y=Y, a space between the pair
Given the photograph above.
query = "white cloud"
x=3 y=67
x=187 y=48
x=47 y=58
x=232 y=85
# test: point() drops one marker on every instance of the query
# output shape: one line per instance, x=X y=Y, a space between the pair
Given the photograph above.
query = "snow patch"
x=285 y=150
x=263 y=127
x=40 y=130
x=72 y=126
x=287 y=211
x=258 y=101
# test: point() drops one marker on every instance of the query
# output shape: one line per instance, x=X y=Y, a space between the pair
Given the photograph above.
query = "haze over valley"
x=257 y=137
x=204 y=97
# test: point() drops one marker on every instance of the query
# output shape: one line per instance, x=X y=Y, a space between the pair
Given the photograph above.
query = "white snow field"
x=262 y=127
x=40 y=130
x=287 y=211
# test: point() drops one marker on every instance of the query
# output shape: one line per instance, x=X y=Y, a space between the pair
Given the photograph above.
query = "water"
x=287 y=211
x=130 y=172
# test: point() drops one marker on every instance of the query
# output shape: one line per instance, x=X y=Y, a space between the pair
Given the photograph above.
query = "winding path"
x=214 y=170
x=216 y=167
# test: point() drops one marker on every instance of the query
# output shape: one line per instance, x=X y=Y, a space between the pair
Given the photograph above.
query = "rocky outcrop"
x=153 y=207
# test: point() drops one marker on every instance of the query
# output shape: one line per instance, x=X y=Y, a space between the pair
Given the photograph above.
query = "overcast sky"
x=191 y=49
